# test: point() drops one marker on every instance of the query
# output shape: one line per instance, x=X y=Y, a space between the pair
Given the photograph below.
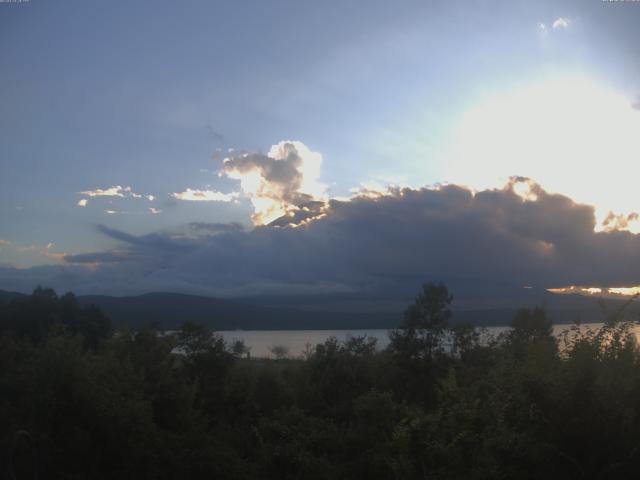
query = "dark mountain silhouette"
x=169 y=310
x=8 y=296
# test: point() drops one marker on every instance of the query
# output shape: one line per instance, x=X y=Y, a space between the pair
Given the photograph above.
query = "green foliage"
x=438 y=403
x=279 y=351
x=430 y=310
x=43 y=314
x=425 y=322
x=531 y=326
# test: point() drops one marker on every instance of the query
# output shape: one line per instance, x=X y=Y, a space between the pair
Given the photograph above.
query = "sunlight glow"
x=611 y=291
x=191 y=195
x=280 y=183
x=627 y=291
x=566 y=133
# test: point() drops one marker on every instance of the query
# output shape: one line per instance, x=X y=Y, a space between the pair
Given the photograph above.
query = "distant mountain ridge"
x=170 y=310
x=8 y=296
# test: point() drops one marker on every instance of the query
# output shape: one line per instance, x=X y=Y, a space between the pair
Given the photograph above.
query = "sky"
x=232 y=148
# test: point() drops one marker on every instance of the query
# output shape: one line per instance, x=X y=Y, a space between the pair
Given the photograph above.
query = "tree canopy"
x=80 y=400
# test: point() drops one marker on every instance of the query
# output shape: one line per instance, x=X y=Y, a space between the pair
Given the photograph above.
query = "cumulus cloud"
x=620 y=222
x=561 y=22
x=115 y=191
x=204 y=196
x=283 y=182
x=383 y=246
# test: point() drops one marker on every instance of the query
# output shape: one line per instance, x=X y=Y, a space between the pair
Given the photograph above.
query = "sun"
x=570 y=134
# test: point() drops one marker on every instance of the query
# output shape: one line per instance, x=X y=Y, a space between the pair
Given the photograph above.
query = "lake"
x=296 y=341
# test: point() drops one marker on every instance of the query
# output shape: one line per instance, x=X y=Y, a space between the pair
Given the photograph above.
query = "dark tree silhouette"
x=430 y=310
x=425 y=321
x=149 y=405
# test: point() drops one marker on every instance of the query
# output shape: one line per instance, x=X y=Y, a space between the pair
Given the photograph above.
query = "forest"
x=82 y=400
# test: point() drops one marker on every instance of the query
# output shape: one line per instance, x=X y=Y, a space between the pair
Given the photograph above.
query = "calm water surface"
x=296 y=341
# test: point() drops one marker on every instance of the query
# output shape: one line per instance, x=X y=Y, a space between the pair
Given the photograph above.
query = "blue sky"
x=153 y=95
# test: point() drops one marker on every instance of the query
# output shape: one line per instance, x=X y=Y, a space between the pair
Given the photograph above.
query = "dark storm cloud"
x=284 y=173
x=306 y=211
x=215 y=228
x=152 y=241
x=392 y=241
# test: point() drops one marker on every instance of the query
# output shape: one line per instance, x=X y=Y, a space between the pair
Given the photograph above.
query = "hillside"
x=169 y=310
